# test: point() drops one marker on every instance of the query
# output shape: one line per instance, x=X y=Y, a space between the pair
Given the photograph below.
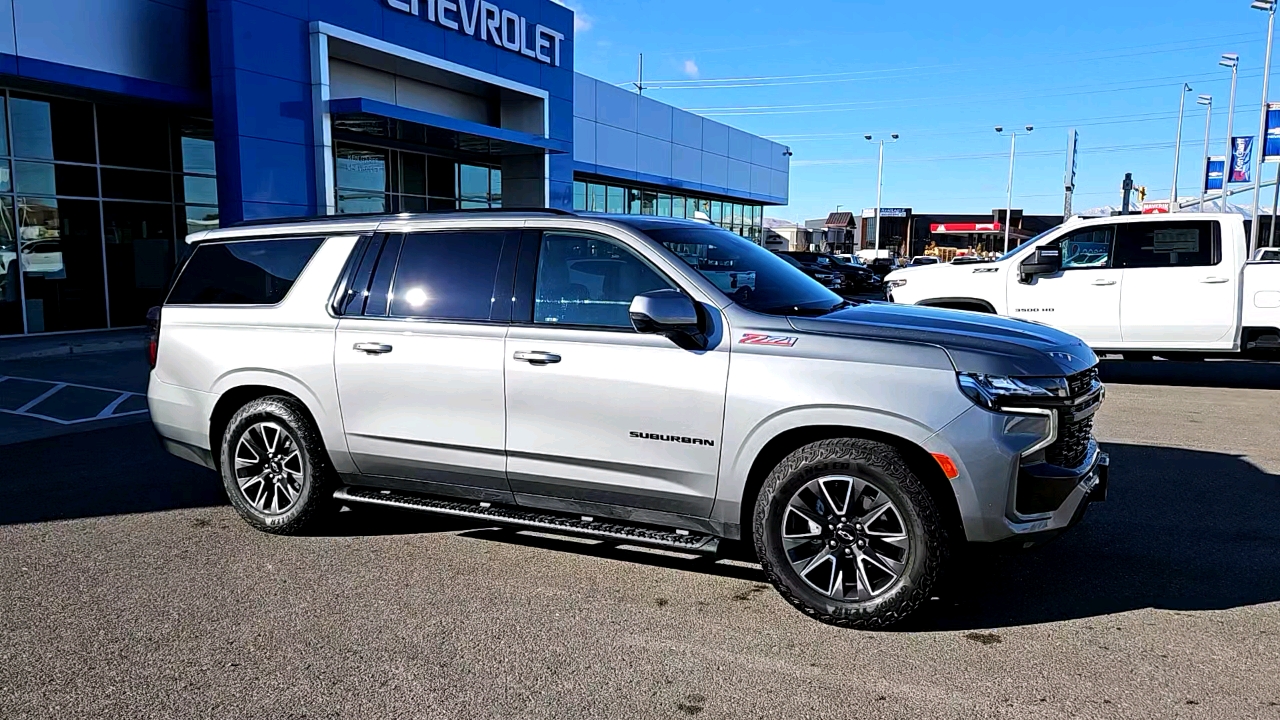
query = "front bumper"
x=993 y=470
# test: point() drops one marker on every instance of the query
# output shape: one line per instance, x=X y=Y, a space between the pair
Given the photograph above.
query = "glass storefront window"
x=196 y=148
x=473 y=185
x=52 y=129
x=202 y=190
x=32 y=178
x=633 y=201
x=579 y=196
x=664 y=205
x=139 y=246
x=495 y=187
x=648 y=203
x=716 y=212
x=129 y=138
x=615 y=200
x=361 y=168
x=10 y=273
x=60 y=251
x=595 y=197
x=413 y=174
x=677 y=207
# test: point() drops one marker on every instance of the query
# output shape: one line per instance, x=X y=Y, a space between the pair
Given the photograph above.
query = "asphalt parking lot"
x=128 y=588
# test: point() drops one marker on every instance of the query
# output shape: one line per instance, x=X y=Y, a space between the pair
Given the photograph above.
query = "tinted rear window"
x=247 y=272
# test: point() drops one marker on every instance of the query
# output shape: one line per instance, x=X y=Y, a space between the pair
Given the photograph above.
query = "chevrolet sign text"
x=489 y=23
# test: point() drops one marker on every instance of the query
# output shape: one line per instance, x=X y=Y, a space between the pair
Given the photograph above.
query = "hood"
x=976 y=342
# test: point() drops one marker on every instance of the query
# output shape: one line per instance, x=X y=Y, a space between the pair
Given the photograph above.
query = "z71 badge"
x=774 y=340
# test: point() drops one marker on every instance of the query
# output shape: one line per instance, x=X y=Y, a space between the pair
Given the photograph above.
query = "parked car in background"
x=854 y=278
x=882 y=266
x=828 y=278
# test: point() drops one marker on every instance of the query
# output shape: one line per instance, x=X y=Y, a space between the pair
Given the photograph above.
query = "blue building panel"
x=248 y=64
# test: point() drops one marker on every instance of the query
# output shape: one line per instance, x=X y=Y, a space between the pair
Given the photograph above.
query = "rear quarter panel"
x=209 y=350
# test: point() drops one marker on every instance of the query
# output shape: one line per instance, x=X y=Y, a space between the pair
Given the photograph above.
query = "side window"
x=588 y=280
x=242 y=272
x=1088 y=248
x=447 y=275
x=1182 y=243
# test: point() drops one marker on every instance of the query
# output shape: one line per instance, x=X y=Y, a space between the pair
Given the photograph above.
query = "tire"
x=876 y=475
x=291 y=493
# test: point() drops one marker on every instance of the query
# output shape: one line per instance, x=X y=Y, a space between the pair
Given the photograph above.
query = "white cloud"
x=581 y=20
x=691 y=68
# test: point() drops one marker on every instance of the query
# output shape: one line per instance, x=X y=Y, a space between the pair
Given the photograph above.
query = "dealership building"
x=126 y=124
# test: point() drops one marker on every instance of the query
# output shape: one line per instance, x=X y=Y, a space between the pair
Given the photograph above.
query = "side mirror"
x=1047 y=260
x=660 y=311
x=670 y=313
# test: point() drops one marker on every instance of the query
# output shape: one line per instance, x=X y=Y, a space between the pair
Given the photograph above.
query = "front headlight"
x=996 y=392
x=896 y=282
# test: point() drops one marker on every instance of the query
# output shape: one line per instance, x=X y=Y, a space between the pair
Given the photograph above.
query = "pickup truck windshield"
x=747 y=273
x=1026 y=244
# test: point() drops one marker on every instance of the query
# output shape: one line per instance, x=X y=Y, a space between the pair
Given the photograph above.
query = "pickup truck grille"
x=1072 y=446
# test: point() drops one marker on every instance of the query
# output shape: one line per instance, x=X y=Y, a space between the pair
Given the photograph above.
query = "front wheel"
x=275 y=468
x=848 y=534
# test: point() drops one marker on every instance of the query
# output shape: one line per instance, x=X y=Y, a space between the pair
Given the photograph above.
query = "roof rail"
x=392 y=216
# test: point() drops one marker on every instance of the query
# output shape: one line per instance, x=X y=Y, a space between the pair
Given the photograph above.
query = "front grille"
x=1081 y=382
x=1072 y=446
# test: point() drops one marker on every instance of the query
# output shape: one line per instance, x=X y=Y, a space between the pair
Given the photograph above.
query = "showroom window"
x=374 y=179
x=95 y=199
x=741 y=218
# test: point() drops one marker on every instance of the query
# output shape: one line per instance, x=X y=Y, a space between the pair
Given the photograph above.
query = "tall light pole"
x=1207 y=102
x=1229 y=60
x=880 y=182
x=1013 y=151
x=1270 y=7
x=1177 y=148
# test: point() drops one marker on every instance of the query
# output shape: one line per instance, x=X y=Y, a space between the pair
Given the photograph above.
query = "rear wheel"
x=848 y=534
x=274 y=467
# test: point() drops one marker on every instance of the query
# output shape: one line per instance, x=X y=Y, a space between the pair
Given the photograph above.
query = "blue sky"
x=942 y=75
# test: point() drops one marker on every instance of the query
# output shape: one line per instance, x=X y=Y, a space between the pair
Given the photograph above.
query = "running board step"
x=583 y=526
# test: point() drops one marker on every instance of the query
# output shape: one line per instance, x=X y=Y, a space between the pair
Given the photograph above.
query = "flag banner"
x=1241 y=160
x=1271 y=146
x=1214 y=171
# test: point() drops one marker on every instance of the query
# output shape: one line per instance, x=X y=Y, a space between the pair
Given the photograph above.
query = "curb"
x=86 y=348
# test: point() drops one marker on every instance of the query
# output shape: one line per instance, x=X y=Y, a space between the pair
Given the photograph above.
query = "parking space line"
x=106 y=413
x=40 y=398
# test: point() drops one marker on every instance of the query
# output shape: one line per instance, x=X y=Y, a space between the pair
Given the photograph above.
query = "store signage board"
x=487 y=22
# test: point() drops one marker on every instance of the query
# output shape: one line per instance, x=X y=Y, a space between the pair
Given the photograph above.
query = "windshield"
x=747 y=273
x=854 y=261
x=1026 y=244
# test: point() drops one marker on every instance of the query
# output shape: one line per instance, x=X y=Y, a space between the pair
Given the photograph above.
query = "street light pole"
x=1270 y=7
x=1207 y=102
x=880 y=184
x=1013 y=151
x=1232 y=61
x=1177 y=148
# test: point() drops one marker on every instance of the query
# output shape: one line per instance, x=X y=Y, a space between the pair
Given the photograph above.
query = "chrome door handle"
x=1214 y=281
x=1100 y=282
x=536 y=357
x=372 y=348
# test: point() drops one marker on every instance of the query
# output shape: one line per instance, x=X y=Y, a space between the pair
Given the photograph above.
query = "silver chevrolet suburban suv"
x=634 y=379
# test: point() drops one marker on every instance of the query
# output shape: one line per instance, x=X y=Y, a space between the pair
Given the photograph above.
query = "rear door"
x=1084 y=298
x=1178 y=288
x=597 y=412
x=419 y=360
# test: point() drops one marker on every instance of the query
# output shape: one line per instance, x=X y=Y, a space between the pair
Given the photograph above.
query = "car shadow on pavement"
x=1212 y=374
x=1182 y=530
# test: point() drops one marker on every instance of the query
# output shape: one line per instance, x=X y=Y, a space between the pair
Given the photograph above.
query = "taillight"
x=153 y=344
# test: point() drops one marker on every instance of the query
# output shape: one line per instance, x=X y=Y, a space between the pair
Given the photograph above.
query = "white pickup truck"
x=1134 y=284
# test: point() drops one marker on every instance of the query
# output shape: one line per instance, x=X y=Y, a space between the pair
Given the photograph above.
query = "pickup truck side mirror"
x=1047 y=260
x=667 y=312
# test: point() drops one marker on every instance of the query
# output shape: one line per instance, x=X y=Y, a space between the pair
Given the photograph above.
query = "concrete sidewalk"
x=44 y=346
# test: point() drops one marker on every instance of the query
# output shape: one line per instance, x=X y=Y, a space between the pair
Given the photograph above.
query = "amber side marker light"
x=948 y=466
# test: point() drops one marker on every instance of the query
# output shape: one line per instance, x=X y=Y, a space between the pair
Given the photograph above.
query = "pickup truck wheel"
x=848 y=534
x=274 y=467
